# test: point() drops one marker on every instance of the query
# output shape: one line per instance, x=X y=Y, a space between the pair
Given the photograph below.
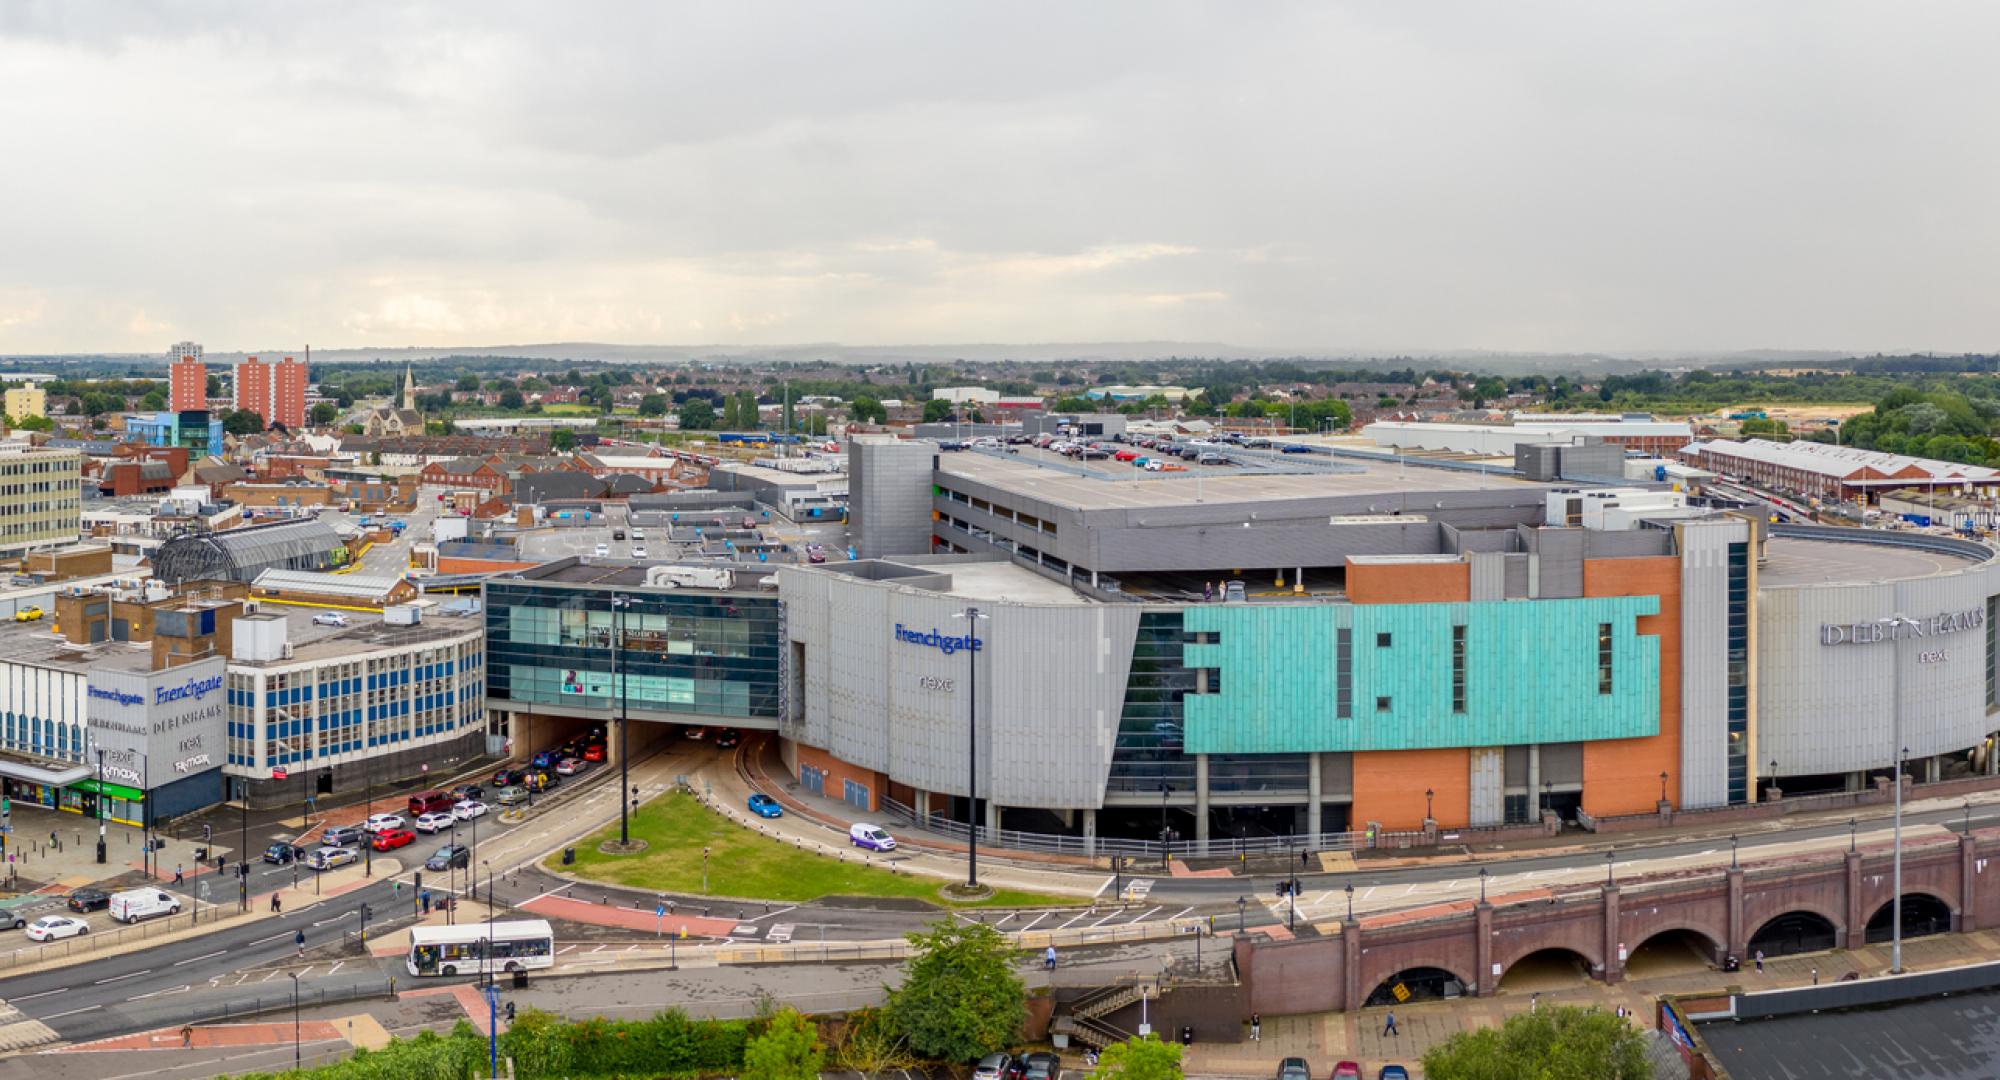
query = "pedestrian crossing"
x=18 y=1032
x=780 y=933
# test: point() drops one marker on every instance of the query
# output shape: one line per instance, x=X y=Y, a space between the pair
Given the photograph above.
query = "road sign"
x=1402 y=992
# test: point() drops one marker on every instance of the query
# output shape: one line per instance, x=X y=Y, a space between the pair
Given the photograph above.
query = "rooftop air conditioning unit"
x=288 y=650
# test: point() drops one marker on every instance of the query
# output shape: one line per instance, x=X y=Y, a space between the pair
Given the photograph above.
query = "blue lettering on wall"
x=935 y=640
x=193 y=688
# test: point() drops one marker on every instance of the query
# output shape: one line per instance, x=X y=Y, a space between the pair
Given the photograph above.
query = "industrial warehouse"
x=1287 y=650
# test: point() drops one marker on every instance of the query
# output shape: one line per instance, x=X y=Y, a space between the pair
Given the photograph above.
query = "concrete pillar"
x=1090 y=830
x=1933 y=770
x=1856 y=933
x=1350 y=945
x=1299 y=581
x=1313 y=823
x=1968 y=885
x=1737 y=935
x=1857 y=781
x=1614 y=968
x=922 y=805
x=992 y=817
x=1483 y=982
x=1535 y=780
x=1201 y=800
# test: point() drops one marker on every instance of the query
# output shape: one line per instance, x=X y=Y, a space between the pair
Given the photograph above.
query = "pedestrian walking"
x=187 y=1036
x=1815 y=976
x=1303 y=863
x=1758 y=959
x=177 y=875
x=425 y=899
x=1389 y=1025
x=275 y=906
x=300 y=938
x=1049 y=959
x=1534 y=1001
x=1256 y=1028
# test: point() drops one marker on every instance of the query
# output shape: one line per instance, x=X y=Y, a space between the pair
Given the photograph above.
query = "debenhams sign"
x=1900 y=628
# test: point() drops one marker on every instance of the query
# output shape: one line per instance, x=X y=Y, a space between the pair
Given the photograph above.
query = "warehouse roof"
x=307 y=581
x=1843 y=462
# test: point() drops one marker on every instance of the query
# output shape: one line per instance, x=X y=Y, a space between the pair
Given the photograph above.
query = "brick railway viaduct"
x=1797 y=903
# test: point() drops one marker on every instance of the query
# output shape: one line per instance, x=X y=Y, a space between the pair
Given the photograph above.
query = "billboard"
x=158 y=727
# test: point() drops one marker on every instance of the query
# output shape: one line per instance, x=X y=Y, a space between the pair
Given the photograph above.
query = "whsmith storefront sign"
x=158 y=728
x=1901 y=628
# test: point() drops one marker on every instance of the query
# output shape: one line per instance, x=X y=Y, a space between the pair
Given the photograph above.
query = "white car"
x=381 y=823
x=602 y=550
x=329 y=618
x=327 y=858
x=469 y=809
x=435 y=822
x=639 y=552
x=51 y=927
x=638 y=534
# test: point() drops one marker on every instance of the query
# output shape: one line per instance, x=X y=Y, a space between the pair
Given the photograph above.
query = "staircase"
x=1080 y=1019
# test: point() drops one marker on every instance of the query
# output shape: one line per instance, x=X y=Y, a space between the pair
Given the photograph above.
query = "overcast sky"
x=1383 y=176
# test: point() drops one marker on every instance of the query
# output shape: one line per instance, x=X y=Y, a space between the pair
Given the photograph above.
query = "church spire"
x=409 y=388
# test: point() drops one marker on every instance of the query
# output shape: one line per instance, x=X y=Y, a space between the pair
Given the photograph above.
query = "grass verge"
x=750 y=865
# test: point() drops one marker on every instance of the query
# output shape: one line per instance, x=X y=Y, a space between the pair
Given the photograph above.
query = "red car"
x=393 y=839
x=593 y=752
x=1347 y=1070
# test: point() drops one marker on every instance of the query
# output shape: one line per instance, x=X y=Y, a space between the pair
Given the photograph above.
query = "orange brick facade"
x=838 y=772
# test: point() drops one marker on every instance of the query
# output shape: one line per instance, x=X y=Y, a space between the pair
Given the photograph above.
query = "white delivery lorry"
x=133 y=905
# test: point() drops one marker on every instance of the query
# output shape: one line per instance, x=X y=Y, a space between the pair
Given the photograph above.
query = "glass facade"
x=317 y=713
x=1149 y=749
x=687 y=651
x=1738 y=716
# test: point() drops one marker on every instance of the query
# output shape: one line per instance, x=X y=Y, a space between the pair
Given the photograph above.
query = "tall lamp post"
x=488 y=864
x=1897 y=753
x=619 y=602
x=971 y=615
x=295 y=1019
x=100 y=804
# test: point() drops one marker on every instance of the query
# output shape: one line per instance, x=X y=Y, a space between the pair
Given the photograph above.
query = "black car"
x=467 y=792
x=1041 y=1065
x=282 y=854
x=449 y=856
x=1295 y=448
x=341 y=836
x=728 y=738
x=508 y=777
x=88 y=900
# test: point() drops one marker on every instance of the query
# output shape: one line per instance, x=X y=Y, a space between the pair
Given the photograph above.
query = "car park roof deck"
x=1799 y=561
x=632 y=575
x=1127 y=489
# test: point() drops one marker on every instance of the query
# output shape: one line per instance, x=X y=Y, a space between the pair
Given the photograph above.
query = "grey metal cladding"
x=1704 y=779
x=1830 y=708
x=1559 y=562
x=889 y=496
x=1051 y=685
x=1488 y=572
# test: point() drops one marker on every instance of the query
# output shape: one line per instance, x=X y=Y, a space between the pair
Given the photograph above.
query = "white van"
x=871 y=837
x=135 y=904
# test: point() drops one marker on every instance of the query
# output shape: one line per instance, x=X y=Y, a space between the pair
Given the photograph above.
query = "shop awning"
x=48 y=773
x=116 y=791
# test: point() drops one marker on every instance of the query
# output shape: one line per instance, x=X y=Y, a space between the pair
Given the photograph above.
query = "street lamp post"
x=1663 y=785
x=368 y=850
x=1241 y=903
x=493 y=1030
x=1732 y=851
x=971 y=615
x=1897 y=752
x=1482 y=884
x=1851 y=824
x=488 y=864
x=619 y=602
x=1350 y=901
x=1429 y=794
x=100 y=804
x=295 y=1019
x=1610 y=868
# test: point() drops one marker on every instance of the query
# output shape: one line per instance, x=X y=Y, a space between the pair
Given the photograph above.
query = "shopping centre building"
x=1290 y=648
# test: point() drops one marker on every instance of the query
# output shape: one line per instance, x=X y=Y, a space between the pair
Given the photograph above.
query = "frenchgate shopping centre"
x=1285 y=648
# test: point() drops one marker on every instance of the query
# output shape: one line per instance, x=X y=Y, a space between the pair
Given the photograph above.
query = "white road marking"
x=1105 y=919
x=780 y=933
x=121 y=978
x=1031 y=925
x=1189 y=908
x=1101 y=886
x=1072 y=919
x=1148 y=913
x=198 y=959
x=773 y=914
x=564 y=949
x=273 y=937
x=337 y=965
x=72 y=1012
x=159 y=993
x=43 y=994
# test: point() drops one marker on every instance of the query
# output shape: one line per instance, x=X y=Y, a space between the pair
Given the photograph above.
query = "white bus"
x=463 y=949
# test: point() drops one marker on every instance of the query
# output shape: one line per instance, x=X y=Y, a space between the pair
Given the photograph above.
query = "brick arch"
x=1593 y=966
x=1758 y=914
x=1373 y=981
x=1869 y=911
x=1591 y=949
x=1705 y=933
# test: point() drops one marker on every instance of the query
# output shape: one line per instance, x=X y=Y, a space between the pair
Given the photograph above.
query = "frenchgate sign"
x=159 y=727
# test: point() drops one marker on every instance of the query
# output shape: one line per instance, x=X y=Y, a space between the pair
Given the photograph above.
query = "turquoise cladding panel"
x=1531 y=675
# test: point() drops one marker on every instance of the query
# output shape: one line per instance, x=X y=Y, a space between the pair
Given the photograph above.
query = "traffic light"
x=418 y=879
x=367 y=913
x=207 y=834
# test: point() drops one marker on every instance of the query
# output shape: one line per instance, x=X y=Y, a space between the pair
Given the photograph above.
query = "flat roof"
x=617 y=573
x=1005 y=581
x=1943 y=1038
x=1794 y=561
x=1133 y=490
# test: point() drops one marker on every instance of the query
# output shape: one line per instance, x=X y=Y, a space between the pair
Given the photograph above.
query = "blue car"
x=763 y=805
x=544 y=760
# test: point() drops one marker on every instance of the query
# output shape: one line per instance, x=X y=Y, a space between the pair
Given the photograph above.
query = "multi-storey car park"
x=1271 y=652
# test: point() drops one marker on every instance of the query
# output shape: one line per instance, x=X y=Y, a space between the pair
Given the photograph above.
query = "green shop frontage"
x=58 y=789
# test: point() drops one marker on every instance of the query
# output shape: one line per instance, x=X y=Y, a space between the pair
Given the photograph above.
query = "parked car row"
x=1295 y=1068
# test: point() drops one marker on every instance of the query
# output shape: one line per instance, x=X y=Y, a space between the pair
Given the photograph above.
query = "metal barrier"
x=1085 y=847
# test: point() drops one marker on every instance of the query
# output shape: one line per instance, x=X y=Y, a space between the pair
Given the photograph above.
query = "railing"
x=105 y=939
x=1061 y=844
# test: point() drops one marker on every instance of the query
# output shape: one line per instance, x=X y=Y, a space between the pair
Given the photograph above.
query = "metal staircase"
x=1082 y=1021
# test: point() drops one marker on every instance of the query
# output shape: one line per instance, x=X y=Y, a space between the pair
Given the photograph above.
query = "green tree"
x=323 y=413
x=960 y=998
x=1074 y=405
x=1547 y=1044
x=34 y=423
x=697 y=415
x=746 y=411
x=511 y=399
x=868 y=410
x=653 y=405
x=871 y=1045
x=788 y=1049
x=562 y=440
x=243 y=422
x=1142 y=1058
x=214 y=388
x=468 y=382
x=936 y=410
x=154 y=401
